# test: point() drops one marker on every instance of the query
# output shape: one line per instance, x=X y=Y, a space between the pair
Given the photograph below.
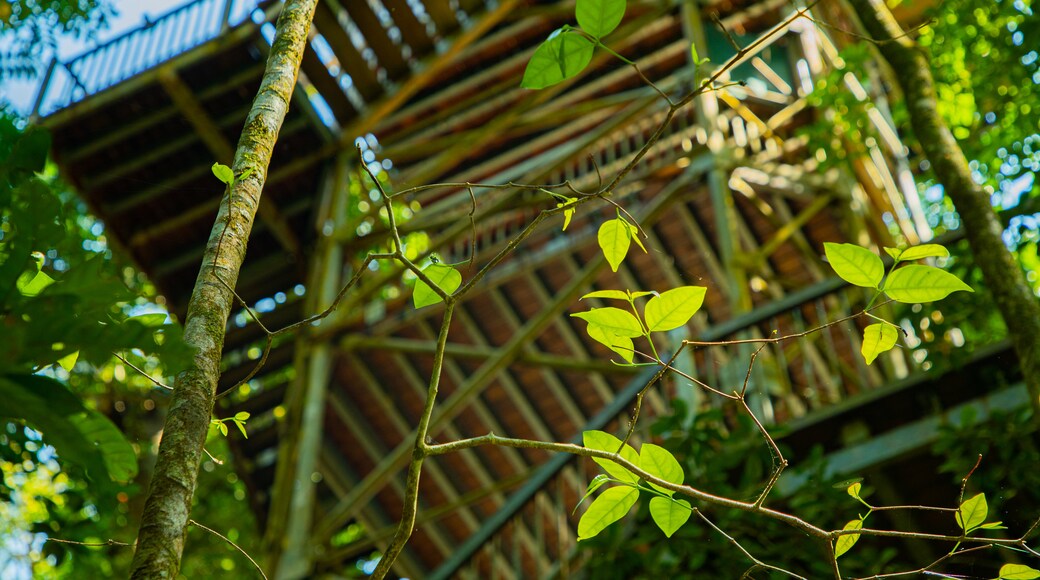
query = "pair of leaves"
x=612 y=505
x=909 y=284
x=239 y=420
x=567 y=51
x=227 y=176
x=446 y=278
x=615 y=328
x=971 y=515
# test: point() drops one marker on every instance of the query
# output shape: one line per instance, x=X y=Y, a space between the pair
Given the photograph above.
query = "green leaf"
x=445 y=277
x=80 y=436
x=846 y=542
x=68 y=361
x=673 y=308
x=669 y=514
x=223 y=173
x=615 y=237
x=568 y=211
x=562 y=56
x=693 y=54
x=242 y=427
x=972 y=513
x=658 y=461
x=599 y=17
x=596 y=483
x=609 y=507
x=151 y=320
x=856 y=265
x=878 y=338
x=924 y=251
x=608 y=294
x=1018 y=572
x=619 y=344
x=894 y=252
x=854 y=489
x=993 y=526
x=913 y=284
x=223 y=428
x=616 y=320
x=32 y=285
x=607 y=442
x=633 y=233
x=241 y=415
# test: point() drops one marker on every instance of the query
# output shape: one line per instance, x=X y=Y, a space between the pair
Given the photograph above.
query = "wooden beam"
x=529 y=357
x=387 y=53
x=418 y=81
x=215 y=141
x=364 y=78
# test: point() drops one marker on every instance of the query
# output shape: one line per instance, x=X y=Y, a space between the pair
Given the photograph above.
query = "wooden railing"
x=137 y=50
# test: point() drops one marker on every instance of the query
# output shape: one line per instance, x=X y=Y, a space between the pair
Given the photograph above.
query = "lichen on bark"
x=164 y=524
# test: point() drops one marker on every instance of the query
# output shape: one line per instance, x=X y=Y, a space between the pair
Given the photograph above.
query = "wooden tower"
x=732 y=197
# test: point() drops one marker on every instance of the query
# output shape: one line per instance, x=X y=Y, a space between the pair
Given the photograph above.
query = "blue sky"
x=130 y=13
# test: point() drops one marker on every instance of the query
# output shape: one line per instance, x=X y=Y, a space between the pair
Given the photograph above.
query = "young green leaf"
x=616 y=320
x=562 y=56
x=894 y=252
x=609 y=507
x=993 y=526
x=669 y=514
x=615 y=237
x=596 y=483
x=607 y=294
x=619 y=344
x=599 y=17
x=607 y=442
x=633 y=233
x=223 y=173
x=693 y=54
x=658 y=461
x=846 y=542
x=68 y=361
x=878 y=338
x=1018 y=572
x=674 y=308
x=856 y=265
x=223 y=428
x=854 y=489
x=445 y=277
x=924 y=251
x=568 y=211
x=32 y=284
x=914 y=284
x=241 y=415
x=972 y=513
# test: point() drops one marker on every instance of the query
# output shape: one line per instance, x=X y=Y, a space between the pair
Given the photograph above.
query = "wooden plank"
x=327 y=85
x=388 y=53
x=364 y=78
x=443 y=16
x=413 y=31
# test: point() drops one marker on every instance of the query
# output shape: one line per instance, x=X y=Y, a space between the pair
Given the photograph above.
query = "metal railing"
x=138 y=50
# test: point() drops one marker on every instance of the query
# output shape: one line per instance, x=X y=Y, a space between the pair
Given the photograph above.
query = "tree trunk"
x=164 y=524
x=1013 y=296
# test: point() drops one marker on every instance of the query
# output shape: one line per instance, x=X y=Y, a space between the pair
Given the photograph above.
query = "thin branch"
x=927 y=568
x=141 y=372
x=106 y=543
x=234 y=545
x=964 y=482
x=758 y=563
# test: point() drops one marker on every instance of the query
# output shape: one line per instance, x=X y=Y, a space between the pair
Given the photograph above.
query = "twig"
x=927 y=568
x=758 y=563
x=234 y=545
x=141 y=372
x=964 y=482
x=106 y=543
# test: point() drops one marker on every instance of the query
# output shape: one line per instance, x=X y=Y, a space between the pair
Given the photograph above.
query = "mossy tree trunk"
x=1014 y=298
x=164 y=524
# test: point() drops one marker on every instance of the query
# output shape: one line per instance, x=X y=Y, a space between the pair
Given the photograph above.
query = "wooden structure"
x=731 y=198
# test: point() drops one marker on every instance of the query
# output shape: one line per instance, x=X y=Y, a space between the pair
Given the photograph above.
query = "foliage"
x=27 y=27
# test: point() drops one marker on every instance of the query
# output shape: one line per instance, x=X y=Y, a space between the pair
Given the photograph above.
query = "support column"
x=287 y=539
